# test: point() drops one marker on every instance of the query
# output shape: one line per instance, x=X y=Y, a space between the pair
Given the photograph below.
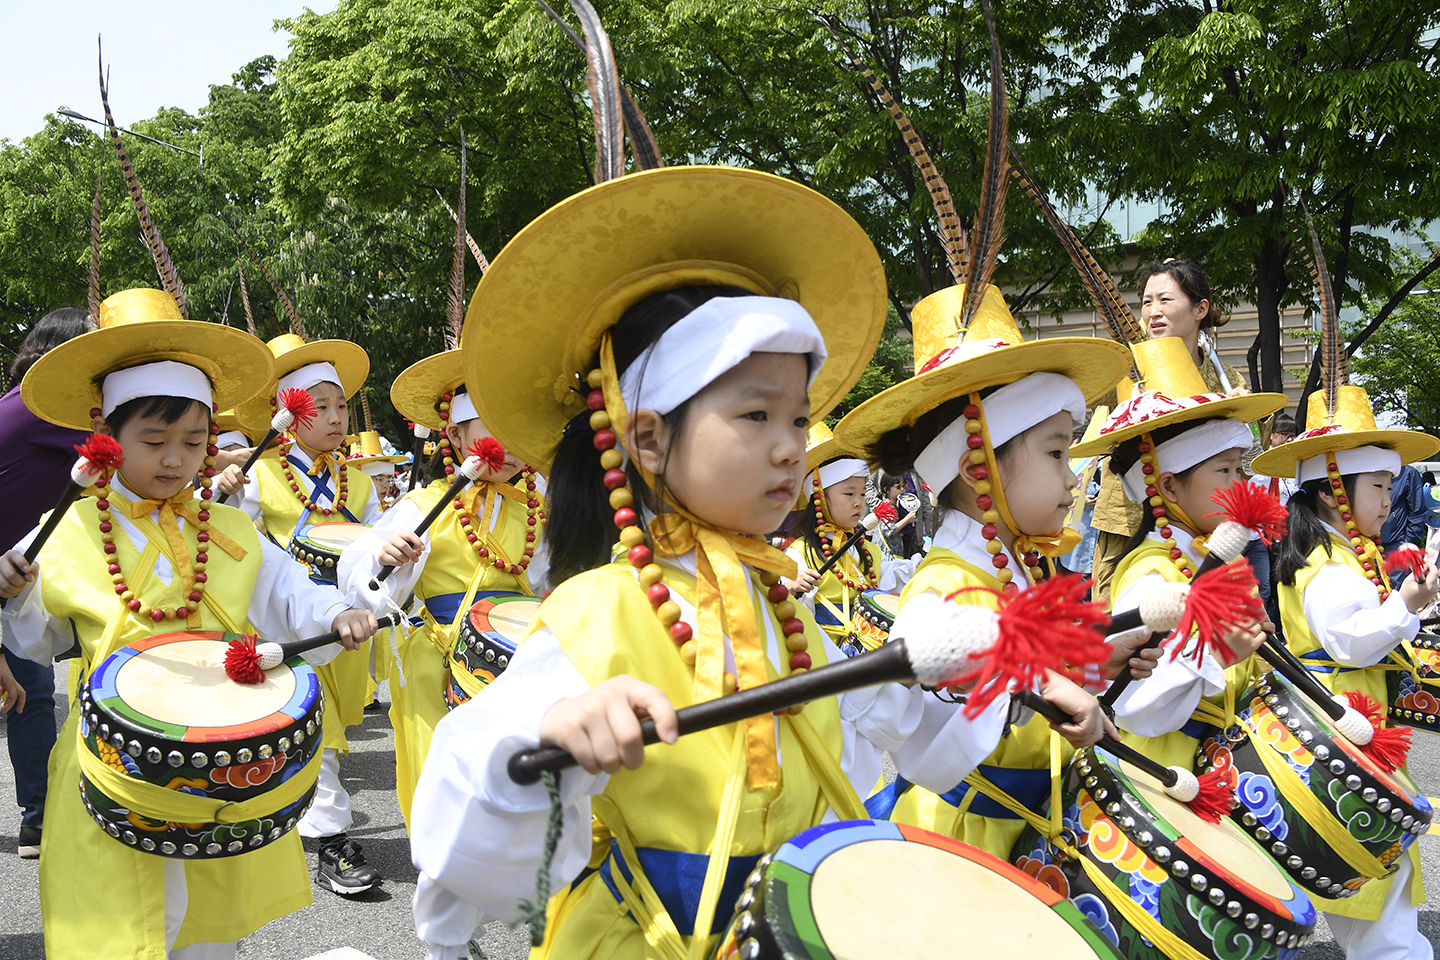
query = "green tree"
x=1399 y=365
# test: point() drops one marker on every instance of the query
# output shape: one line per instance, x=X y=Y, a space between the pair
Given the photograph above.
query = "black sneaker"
x=343 y=866
x=29 y=843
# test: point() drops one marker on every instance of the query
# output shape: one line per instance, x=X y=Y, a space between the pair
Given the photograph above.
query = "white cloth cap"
x=308 y=376
x=232 y=436
x=462 y=408
x=1358 y=460
x=379 y=468
x=1009 y=412
x=163 y=378
x=713 y=339
x=1196 y=445
x=837 y=470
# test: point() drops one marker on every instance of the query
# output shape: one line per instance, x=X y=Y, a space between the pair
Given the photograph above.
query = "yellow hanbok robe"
x=1020 y=765
x=1365 y=905
x=97 y=897
x=346 y=679
x=835 y=601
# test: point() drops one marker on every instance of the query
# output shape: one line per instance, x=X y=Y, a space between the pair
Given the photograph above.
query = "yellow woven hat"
x=991 y=352
x=1171 y=391
x=349 y=359
x=534 y=325
x=367 y=449
x=1351 y=425
x=418 y=388
x=136 y=327
x=822 y=447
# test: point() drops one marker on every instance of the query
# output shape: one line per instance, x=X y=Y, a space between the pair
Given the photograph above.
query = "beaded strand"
x=982 y=468
x=872 y=579
x=1157 y=509
x=652 y=575
x=202 y=537
x=1357 y=539
x=474 y=535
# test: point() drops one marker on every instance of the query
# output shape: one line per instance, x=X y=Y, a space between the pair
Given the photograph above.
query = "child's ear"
x=98 y=425
x=455 y=432
x=1327 y=497
x=967 y=471
x=1169 y=486
x=648 y=438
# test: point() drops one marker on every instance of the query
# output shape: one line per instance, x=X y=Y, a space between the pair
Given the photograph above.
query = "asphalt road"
x=378 y=924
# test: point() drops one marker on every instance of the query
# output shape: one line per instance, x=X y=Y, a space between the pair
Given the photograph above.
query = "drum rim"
x=300 y=538
x=1173 y=860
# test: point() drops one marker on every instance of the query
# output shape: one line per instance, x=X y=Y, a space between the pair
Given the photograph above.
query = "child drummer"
x=311 y=484
x=149 y=557
x=486 y=546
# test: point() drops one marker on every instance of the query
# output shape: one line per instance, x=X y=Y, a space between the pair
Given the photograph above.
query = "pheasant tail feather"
x=169 y=279
x=952 y=234
x=1334 y=366
x=245 y=300
x=989 y=230
x=604 y=81
x=92 y=286
x=456 y=312
x=475 y=250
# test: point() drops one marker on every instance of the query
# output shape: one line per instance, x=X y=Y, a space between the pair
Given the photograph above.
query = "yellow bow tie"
x=723 y=605
x=183 y=504
x=1051 y=547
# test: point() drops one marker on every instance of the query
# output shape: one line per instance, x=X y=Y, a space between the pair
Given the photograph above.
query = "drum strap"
x=445 y=635
x=110 y=639
x=162 y=803
x=1297 y=793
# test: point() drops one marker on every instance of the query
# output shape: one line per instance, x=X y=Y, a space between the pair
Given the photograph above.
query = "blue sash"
x=1030 y=787
x=678 y=879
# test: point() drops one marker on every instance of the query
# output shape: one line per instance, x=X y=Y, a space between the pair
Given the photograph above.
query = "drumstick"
x=1209 y=796
x=422 y=433
x=295 y=406
x=98 y=454
x=246 y=660
x=866 y=525
x=468 y=472
x=1387 y=747
x=974 y=640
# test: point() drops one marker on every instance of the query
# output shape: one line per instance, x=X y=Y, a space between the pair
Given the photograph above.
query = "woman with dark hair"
x=1175 y=303
x=35 y=462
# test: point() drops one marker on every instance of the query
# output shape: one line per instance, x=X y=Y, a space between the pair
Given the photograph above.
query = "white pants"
x=329 y=812
x=177 y=900
x=1395 y=936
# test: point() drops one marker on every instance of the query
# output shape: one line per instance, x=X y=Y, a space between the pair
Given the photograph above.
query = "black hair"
x=1283 y=423
x=1304 y=530
x=434 y=466
x=1192 y=280
x=1429 y=477
x=51 y=330
x=580 y=528
x=167 y=409
x=1128 y=454
x=896 y=450
x=888 y=480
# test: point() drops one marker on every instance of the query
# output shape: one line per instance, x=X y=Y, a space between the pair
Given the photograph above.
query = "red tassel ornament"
x=102 y=453
x=490 y=451
x=1252 y=507
x=1407 y=557
x=301 y=406
x=1223 y=598
x=242 y=661
x=1216 y=797
x=1390 y=747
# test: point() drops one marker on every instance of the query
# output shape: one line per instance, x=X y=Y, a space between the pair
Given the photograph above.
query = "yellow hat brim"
x=1095 y=365
x=1283 y=461
x=537 y=315
x=63 y=385
x=419 y=386
x=1247 y=409
x=349 y=360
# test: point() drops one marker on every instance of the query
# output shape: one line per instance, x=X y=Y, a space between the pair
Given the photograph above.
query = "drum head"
x=888 y=604
x=504 y=618
x=824 y=873
x=175 y=685
x=333 y=537
x=1223 y=843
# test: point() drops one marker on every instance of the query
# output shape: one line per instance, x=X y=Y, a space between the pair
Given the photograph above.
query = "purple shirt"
x=35 y=461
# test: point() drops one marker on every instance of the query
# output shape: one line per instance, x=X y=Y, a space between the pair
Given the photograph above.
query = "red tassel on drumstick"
x=247 y=657
x=295 y=406
x=1407 y=557
x=99 y=454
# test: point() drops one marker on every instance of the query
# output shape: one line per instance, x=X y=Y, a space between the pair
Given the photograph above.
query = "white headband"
x=1358 y=460
x=1009 y=412
x=713 y=339
x=308 y=376
x=838 y=470
x=462 y=408
x=378 y=469
x=164 y=378
x=1196 y=445
x=232 y=436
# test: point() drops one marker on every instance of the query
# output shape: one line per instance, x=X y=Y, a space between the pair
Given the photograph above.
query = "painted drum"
x=1413 y=692
x=1324 y=811
x=870 y=622
x=489 y=634
x=802 y=902
x=318 y=545
x=1207 y=884
x=161 y=711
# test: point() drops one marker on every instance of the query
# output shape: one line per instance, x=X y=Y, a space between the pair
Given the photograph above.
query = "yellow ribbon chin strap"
x=159 y=803
x=723 y=606
x=1056 y=546
x=183 y=504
